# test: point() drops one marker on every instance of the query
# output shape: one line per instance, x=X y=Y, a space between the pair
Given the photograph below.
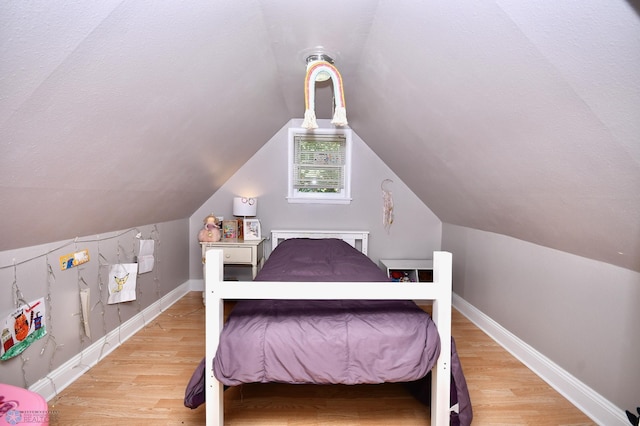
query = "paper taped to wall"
x=145 y=256
x=74 y=259
x=122 y=282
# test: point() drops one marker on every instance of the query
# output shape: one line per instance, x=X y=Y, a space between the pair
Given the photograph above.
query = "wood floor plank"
x=143 y=382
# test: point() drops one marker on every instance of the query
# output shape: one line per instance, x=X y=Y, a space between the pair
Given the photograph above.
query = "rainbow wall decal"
x=340 y=112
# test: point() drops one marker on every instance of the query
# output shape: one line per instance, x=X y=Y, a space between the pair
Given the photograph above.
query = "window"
x=320 y=166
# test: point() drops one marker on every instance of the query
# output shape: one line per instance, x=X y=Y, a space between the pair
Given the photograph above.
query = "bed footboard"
x=439 y=292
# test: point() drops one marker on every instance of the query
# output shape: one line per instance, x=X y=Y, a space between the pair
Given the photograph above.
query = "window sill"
x=299 y=200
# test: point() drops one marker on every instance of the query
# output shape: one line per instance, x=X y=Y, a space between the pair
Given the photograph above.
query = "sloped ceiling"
x=520 y=118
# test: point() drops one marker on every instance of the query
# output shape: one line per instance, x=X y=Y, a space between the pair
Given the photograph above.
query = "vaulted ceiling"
x=520 y=118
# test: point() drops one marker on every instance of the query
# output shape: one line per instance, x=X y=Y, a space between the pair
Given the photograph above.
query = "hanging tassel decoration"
x=310 y=120
x=387 y=206
x=340 y=117
x=340 y=111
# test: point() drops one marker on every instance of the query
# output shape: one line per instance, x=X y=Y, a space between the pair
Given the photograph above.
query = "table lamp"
x=243 y=206
x=248 y=229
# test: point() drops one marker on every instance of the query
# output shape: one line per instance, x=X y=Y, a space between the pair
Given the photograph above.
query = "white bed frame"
x=439 y=292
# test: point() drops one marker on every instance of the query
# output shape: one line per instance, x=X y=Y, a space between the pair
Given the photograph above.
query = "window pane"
x=318 y=177
x=319 y=163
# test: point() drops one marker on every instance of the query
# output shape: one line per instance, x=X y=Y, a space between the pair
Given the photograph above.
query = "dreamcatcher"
x=387 y=206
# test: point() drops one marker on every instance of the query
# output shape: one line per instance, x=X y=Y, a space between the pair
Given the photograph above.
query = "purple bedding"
x=305 y=259
x=322 y=341
x=326 y=342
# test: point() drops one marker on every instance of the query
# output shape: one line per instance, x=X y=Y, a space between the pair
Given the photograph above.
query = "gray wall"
x=65 y=327
x=580 y=313
x=415 y=233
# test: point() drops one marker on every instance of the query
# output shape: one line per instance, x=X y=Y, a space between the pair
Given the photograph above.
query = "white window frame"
x=342 y=197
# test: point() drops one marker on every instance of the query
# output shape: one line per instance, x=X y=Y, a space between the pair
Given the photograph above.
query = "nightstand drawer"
x=238 y=252
x=237 y=255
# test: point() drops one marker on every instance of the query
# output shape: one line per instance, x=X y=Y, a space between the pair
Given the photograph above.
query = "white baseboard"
x=71 y=370
x=196 y=285
x=594 y=405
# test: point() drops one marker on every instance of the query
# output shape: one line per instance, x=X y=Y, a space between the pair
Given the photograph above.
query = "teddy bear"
x=210 y=233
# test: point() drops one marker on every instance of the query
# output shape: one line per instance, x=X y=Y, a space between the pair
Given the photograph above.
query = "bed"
x=308 y=291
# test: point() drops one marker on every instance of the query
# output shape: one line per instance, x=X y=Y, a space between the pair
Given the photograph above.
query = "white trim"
x=311 y=200
x=196 y=285
x=594 y=405
x=344 y=196
x=56 y=381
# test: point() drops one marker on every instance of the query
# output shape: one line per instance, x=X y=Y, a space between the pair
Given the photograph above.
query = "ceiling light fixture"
x=315 y=57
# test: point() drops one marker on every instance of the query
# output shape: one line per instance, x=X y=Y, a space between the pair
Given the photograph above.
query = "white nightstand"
x=416 y=270
x=239 y=252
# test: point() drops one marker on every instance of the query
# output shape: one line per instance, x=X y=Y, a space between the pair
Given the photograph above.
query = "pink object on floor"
x=20 y=406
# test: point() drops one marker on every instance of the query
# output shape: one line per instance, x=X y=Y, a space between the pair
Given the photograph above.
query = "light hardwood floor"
x=143 y=382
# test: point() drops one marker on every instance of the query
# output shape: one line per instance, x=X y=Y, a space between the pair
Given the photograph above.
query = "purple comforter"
x=325 y=341
x=304 y=259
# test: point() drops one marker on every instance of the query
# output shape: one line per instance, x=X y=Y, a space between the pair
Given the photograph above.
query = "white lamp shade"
x=243 y=206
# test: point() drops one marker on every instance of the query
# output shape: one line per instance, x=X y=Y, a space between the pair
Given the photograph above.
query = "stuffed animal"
x=211 y=230
x=396 y=275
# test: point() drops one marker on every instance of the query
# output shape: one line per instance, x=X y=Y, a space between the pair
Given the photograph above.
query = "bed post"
x=214 y=275
x=441 y=380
